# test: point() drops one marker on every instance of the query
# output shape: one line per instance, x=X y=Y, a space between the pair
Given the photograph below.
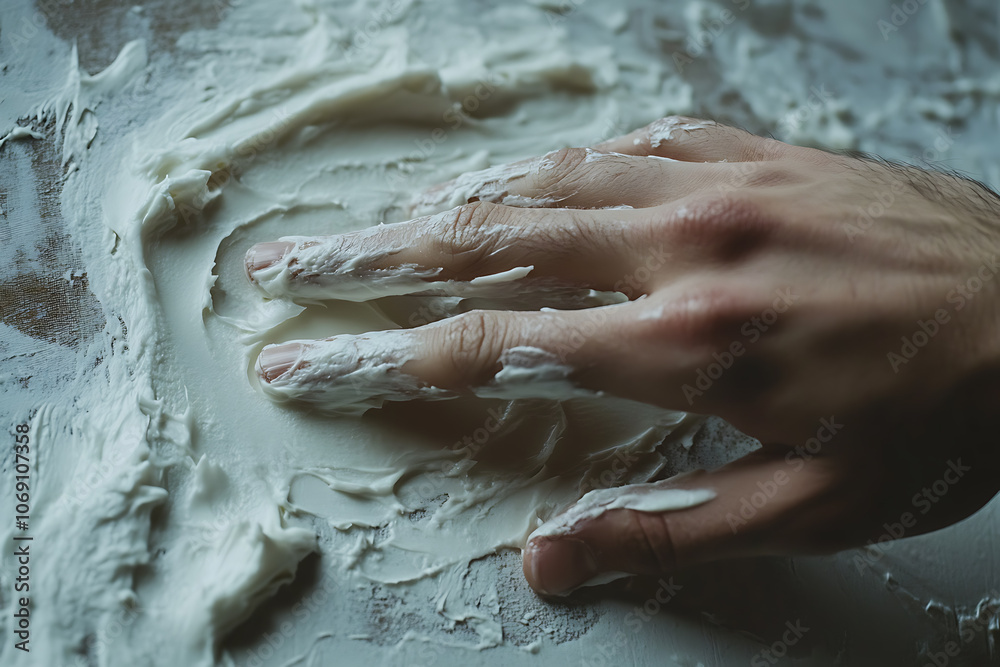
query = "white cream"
x=530 y=372
x=491 y=184
x=350 y=374
x=657 y=497
x=339 y=267
x=171 y=497
x=18 y=132
x=663 y=130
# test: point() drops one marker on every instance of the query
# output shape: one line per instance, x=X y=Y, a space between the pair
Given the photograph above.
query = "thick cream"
x=171 y=497
x=638 y=497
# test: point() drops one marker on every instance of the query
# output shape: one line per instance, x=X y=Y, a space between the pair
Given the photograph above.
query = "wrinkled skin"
x=841 y=310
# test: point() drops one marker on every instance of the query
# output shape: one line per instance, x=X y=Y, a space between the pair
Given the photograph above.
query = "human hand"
x=843 y=311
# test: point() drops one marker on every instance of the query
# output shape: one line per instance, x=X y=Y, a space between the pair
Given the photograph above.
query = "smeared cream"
x=492 y=184
x=360 y=267
x=663 y=130
x=341 y=267
x=350 y=374
x=655 y=497
x=530 y=372
x=19 y=132
x=180 y=497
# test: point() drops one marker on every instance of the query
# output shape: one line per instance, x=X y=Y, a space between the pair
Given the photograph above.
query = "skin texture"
x=841 y=310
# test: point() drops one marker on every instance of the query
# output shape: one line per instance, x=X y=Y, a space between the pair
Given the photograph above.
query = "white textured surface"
x=172 y=497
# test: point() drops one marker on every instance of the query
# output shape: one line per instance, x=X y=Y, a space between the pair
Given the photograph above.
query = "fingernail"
x=264 y=255
x=559 y=566
x=276 y=360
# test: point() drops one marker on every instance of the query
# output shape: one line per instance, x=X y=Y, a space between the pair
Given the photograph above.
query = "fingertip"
x=558 y=566
x=276 y=360
x=264 y=255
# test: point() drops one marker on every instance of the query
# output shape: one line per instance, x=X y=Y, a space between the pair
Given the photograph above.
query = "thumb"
x=769 y=502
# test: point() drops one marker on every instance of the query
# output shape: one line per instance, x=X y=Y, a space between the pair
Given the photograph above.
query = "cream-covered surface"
x=171 y=499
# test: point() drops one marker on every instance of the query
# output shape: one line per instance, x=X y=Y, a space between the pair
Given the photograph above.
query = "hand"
x=843 y=311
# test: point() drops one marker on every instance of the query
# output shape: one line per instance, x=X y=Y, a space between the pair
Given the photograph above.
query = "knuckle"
x=675 y=127
x=466 y=222
x=463 y=234
x=724 y=225
x=560 y=167
x=729 y=210
x=754 y=148
x=806 y=156
x=650 y=541
x=765 y=148
x=748 y=146
x=705 y=318
x=768 y=173
x=470 y=344
x=567 y=159
x=677 y=118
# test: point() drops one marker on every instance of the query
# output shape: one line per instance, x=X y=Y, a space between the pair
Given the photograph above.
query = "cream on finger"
x=352 y=373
